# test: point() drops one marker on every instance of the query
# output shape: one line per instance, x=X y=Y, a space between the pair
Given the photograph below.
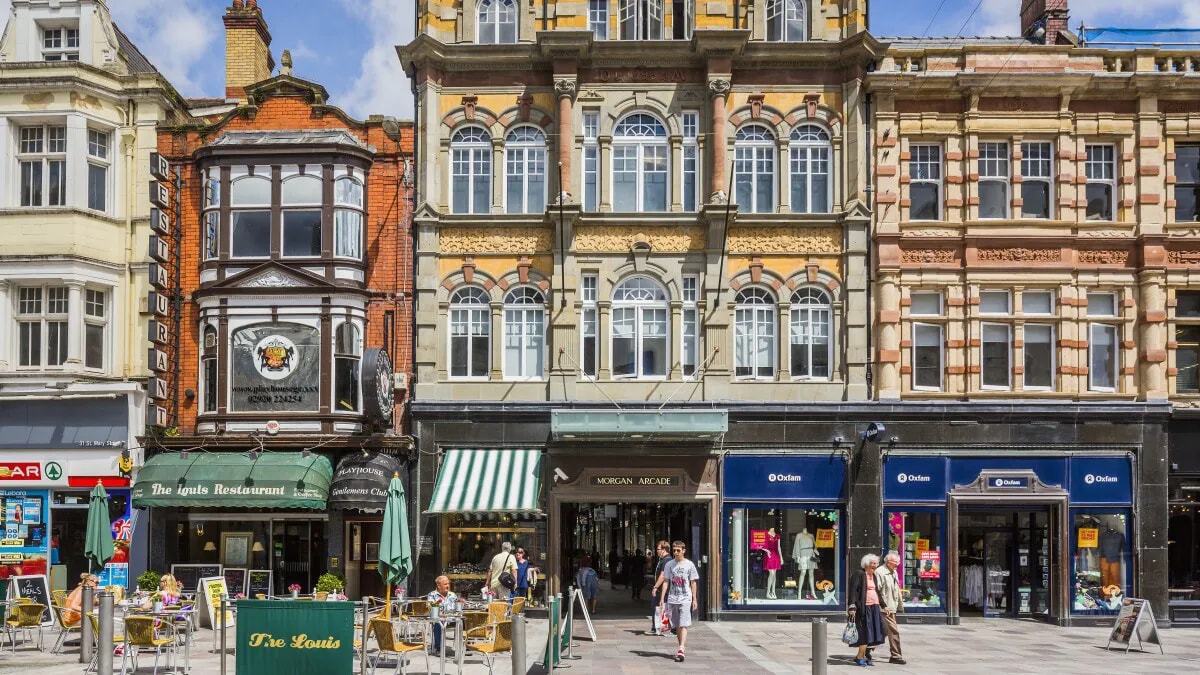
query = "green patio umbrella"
x=98 y=545
x=395 y=549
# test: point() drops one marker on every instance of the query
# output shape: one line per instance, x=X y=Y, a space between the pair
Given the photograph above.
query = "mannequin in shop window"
x=772 y=561
x=804 y=551
x=1112 y=550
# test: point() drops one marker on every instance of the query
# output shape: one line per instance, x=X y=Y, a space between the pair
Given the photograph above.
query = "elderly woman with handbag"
x=862 y=599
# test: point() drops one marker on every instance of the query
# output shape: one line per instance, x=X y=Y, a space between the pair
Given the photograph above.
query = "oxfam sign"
x=1093 y=478
x=784 y=478
x=912 y=478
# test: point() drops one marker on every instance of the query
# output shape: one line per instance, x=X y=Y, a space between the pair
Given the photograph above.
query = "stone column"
x=497 y=346
x=565 y=90
x=719 y=88
x=1152 y=334
x=888 y=375
x=74 y=325
x=783 y=336
x=498 y=175
x=604 y=184
x=675 y=186
x=5 y=317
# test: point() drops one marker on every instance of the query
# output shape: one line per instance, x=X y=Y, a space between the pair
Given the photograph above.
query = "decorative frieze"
x=930 y=232
x=928 y=255
x=620 y=238
x=1183 y=257
x=785 y=240
x=1019 y=254
x=473 y=240
x=1103 y=257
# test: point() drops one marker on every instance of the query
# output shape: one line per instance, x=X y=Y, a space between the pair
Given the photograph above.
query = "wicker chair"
x=518 y=606
x=415 y=608
x=140 y=636
x=118 y=638
x=59 y=598
x=386 y=643
x=501 y=643
x=497 y=611
x=67 y=627
x=472 y=623
x=26 y=616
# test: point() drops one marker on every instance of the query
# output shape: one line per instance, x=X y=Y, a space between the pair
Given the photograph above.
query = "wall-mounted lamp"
x=258 y=547
x=199 y=529
x=209 y=546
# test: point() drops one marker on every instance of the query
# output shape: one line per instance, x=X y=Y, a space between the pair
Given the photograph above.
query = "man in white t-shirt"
x=502 y=562
x=678 y=583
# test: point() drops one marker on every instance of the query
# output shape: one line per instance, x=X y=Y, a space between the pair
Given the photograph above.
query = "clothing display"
x=970 y=585
x=804 y=548
x=1112 y=544
x=772 y=560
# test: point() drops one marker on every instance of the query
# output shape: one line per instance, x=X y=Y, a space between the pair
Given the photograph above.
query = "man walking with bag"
x=888 y=583
x=678 y=583
x=502 y=573
x=663 y=555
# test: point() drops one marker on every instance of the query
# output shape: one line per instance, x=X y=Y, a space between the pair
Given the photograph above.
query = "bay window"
x=347 y=368
x=348 y=217
x=95 y=325
x=41 y=316
x=250 y=218
x=301 y=199
x=98 y=164
x=42 y=165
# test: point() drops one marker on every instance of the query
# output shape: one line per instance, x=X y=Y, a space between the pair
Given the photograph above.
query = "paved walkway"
x=753 y=648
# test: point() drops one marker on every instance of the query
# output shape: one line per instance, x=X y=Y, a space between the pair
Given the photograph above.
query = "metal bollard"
x=85 y=625
x=518 y=644
x=221 y=623
x=104 y=657
x=362 y=659
x=820 y=648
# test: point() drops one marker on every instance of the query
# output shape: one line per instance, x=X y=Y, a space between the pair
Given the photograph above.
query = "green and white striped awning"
x=480 y=481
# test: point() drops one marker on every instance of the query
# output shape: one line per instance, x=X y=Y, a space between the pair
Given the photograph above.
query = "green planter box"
x=298 y=638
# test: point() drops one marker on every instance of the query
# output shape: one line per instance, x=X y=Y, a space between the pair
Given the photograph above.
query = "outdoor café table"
x=169 y=617
x=447 y=620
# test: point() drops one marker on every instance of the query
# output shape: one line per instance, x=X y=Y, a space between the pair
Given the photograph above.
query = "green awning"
x=275 y=480
x=485 y=481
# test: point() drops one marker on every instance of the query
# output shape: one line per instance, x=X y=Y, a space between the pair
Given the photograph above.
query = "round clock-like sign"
x=378 y=397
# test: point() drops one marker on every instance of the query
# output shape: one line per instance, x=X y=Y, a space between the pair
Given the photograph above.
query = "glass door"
x=998 y=572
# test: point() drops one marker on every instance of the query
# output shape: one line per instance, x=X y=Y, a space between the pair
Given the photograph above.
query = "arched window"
x=786 y=20
x=250 y=217
x=301 y=199
x=640 y=329
x=811 y=187
x=347 y=359
x=754 y=334
x=809 y=337
x=640 y=166
x=754 y=169
x=497 y=22
x=470 y=171
x=524 y=333
x=525 y=170
x=348 y=217
x=470 y=333
x=208 y=366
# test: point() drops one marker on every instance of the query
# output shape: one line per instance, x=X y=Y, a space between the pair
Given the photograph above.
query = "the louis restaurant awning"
x=272 y=480
x=482 y=481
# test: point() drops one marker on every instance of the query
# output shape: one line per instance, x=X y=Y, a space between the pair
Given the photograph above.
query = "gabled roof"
x=138 y=63
x=290 y=137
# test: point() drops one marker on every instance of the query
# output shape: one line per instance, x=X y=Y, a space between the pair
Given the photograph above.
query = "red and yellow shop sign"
x=921 y=546
x=825 y=538
x=1089 y=537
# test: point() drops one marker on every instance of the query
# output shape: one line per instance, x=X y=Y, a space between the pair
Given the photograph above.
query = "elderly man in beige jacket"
x=888 y=584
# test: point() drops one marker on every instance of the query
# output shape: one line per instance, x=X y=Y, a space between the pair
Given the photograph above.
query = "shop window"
x=809 y=335
x=809 y=158
x=347 y=359
x=1187 y=339
x=589 y=346
x=1101 y=562
x=1037 y=167
x=786 y=21
x=497 y=22
x=1101 y=169
x=754 y=317
x=470 y=333
x=524 y=334
x=916 y=537
x=469 y=543
x=754 y=169
x=993 y=180
x=640 y=329
x=26 y=540
x=42 y=165
x=1183 y=548
x=525 y=170
x=640 y=164
x=925 y=188
x=785 y=556
x=208 y=363
x=1187 y=183
x=470 y=171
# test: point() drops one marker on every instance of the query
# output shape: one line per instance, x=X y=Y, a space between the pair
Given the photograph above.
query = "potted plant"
x=148 y=580
x=157 y=602
x=295 y=589
x=330 y=585
x=435 y=606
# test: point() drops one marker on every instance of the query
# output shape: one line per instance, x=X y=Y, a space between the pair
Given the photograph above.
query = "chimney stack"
x=247 y=48
x=1050 y=15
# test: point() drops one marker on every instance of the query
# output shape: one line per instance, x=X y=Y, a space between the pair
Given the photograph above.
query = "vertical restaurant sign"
x=276 y=367
x=158 y=300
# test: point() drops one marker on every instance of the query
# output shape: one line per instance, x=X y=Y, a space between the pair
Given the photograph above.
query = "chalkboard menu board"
x=37 y=588
x=189 y=576
x=259 y=583
x=235 y=580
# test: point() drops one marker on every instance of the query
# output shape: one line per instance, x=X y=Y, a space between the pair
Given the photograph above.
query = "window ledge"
x=61 y=210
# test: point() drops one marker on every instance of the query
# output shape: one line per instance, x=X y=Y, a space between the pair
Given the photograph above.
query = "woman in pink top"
x=863 y=602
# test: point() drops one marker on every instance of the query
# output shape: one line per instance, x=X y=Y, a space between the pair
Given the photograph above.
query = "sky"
x=349 y=45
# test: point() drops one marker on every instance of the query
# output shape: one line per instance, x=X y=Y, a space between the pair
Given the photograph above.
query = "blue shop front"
x=784 y=533
x=1038 y=537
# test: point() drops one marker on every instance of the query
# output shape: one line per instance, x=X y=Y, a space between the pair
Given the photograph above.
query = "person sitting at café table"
x=74 y=603
x=168 y=589
x=442 y=596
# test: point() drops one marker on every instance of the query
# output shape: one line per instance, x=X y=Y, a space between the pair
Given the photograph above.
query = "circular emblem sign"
x=275 y=356
x=377 y=386
x=53 y=470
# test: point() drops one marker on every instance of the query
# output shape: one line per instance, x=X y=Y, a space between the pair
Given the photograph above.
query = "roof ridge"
x=127 y=45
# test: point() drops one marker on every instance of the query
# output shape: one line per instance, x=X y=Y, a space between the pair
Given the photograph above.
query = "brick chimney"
x=247 y=48
x=1051 y=15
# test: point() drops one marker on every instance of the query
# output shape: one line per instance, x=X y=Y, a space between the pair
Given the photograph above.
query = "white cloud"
x=176 y=40
x=1002 y=17
x=380 y=87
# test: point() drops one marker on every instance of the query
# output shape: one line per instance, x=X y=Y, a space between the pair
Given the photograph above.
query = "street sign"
x=298 y=638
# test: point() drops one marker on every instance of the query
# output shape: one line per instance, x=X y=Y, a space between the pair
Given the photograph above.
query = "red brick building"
x=294 y=328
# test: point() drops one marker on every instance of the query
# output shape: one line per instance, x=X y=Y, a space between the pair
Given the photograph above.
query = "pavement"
x=751 y=648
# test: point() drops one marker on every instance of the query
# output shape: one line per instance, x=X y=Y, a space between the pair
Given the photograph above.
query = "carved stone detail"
x=930 y=232
x=785 y=240
x=271 y=279
x=564 y=87
x=1020 y=254
x=928 y=255
x=622 y=238
x=1183 y=257
x=641 y=74
x=472 y=241
x=1106 y=234
x=718 y=87
x=1106 y=257
x=1188 y=232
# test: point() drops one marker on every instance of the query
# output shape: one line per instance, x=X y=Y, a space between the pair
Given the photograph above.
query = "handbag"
x=506 y=579
x=850 y=634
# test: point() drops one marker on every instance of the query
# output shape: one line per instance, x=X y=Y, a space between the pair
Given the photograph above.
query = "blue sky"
x=349 y=45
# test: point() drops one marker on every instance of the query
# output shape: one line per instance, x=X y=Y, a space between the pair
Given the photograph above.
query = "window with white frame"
x=211 y=206
x=1187 y=183
x=994 y=302
x=996 y=341
x=301 y=200
x=497 y=22
x=1101 y=171
x=689 y=347
x=809 y=334
x=250 y=214
x=598 y=19
x=589 y=346
x=994 y=176
x=812 y=189
x=925 y=186
x=1187 y=340
x=1103 y=355
x=786 y=21
x=42 y=165
x=591 y=161
x=470 y=333
x=60 y=43
x=691 y=159
x=524 y=333
x=348 y=217
x=681 y=19
x=470 y=171
x=1038 y=342
x=95 y=326
x=640 y=19
x=925 y=303
x=927 y=356
x=525 y=170
x=98 y=164
x=1037 y=174
x=754 y=317
x=640 y=165
x=208 y=369
x=640 y=329
x=754 y=169
x=42 y=314
x=347 y=367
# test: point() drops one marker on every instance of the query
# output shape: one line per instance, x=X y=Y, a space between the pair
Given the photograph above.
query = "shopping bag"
x=665 y=625
x=658 y=619
x=850 y=634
